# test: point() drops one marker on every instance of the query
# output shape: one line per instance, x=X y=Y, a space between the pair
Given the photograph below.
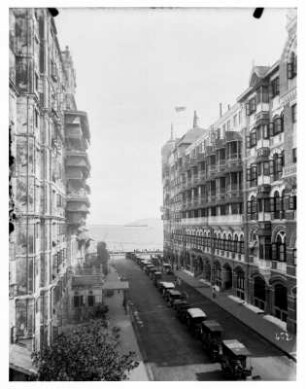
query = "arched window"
x=275 y=205
x=279 y=247
x=241 y=244
x=235 y=244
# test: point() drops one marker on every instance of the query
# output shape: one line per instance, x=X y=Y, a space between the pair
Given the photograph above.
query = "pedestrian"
x=214 y=291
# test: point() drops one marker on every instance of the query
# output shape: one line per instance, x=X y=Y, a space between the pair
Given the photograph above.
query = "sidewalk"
x=127 y=341
x=268 y=330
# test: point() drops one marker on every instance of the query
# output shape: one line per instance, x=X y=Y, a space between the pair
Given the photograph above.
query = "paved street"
x=171 y=353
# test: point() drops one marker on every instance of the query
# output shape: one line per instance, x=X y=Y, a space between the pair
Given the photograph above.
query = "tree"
x=103 y=256
x=87 y=353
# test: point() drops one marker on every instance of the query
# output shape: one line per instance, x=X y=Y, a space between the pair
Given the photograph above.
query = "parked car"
x=181 y=311
x=179 y=303
x=173 y=295
x=235 y=363
x=211 y=337
x=163 y=286
x=195 y=316
x=151 y=271
x=147 y=268
x=156 y=277
x=144 y=264
x=167 y=269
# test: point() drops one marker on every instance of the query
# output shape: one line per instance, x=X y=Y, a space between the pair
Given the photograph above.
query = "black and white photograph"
x=152 y=192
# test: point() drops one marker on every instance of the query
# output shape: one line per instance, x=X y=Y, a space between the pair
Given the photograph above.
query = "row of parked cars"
x=231 y=354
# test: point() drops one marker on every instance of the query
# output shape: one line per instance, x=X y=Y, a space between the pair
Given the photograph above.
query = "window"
x=265 y=131
x=252 y=105
x=235 y=120
x=278 y=125
x=274 y=87
x=78 y=301
x=91 y=301
x=292 y=203
x=294 y=157
x=293 y=113
x=276 y=166
x=292 y=67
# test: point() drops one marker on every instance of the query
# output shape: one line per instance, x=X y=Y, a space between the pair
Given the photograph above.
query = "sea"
x=128 y=238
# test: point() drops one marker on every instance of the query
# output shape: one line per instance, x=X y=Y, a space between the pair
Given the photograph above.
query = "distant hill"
x=152 y=222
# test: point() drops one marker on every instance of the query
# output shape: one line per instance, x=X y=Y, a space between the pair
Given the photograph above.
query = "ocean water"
x=122 y=238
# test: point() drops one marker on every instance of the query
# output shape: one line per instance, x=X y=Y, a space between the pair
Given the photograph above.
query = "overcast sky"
x=134 y=66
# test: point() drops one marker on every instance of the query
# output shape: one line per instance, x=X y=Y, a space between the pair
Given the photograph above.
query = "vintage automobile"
x=147 y=268
x=211 y=337
x=181 y=311
x=173 y=295
x=151 y=271
x=234 y=361
x=156 y=276
x=144 y=264
x=194 y=319
x=179 y=303
x=166 y=268
x=163 y=286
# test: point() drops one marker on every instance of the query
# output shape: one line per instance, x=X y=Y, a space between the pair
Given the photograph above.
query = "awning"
x=20 y=360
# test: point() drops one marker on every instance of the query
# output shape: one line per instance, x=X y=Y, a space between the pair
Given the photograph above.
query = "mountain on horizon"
x=149 y=222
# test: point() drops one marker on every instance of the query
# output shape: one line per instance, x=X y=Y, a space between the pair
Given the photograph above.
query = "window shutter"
x=249 y=207
x=271 y=163
x=271 y=129
x=247 y=109
x=274 y=251
x=289 y=70
x=271 y=94
x=248 y=142
x=266 y=131
x=292 y=203
x=279 y=163
x=248 y=175
x=272 y=204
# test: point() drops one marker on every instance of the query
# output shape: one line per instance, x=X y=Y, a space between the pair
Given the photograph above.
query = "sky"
x=133 y=66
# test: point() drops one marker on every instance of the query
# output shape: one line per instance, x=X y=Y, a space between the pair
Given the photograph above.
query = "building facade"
x=230 y=195
x=48 y=171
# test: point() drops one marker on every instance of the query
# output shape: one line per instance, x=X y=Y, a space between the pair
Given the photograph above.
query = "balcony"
x=79 y=196
x=221 y=194
x=225 y=220
x=77 y=159
x=233 y=192
x=77 y=118
x=233 y=164
x=279 y=266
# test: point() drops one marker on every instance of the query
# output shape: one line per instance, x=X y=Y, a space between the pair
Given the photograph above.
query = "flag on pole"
x=180 y=109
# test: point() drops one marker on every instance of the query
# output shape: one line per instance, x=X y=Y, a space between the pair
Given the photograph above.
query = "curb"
x=142 y=350
x=246 y=325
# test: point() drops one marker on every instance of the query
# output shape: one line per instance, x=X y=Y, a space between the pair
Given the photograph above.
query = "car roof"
x=169 y=285
x=175 y=293
x=196 y=312
x=212 y=325
x=236 y=347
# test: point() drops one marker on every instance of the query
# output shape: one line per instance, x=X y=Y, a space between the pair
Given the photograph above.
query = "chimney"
x=195 y=119
x=220 y=109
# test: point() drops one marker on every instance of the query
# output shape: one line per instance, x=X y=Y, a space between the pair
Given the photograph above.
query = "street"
x=171 y=353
